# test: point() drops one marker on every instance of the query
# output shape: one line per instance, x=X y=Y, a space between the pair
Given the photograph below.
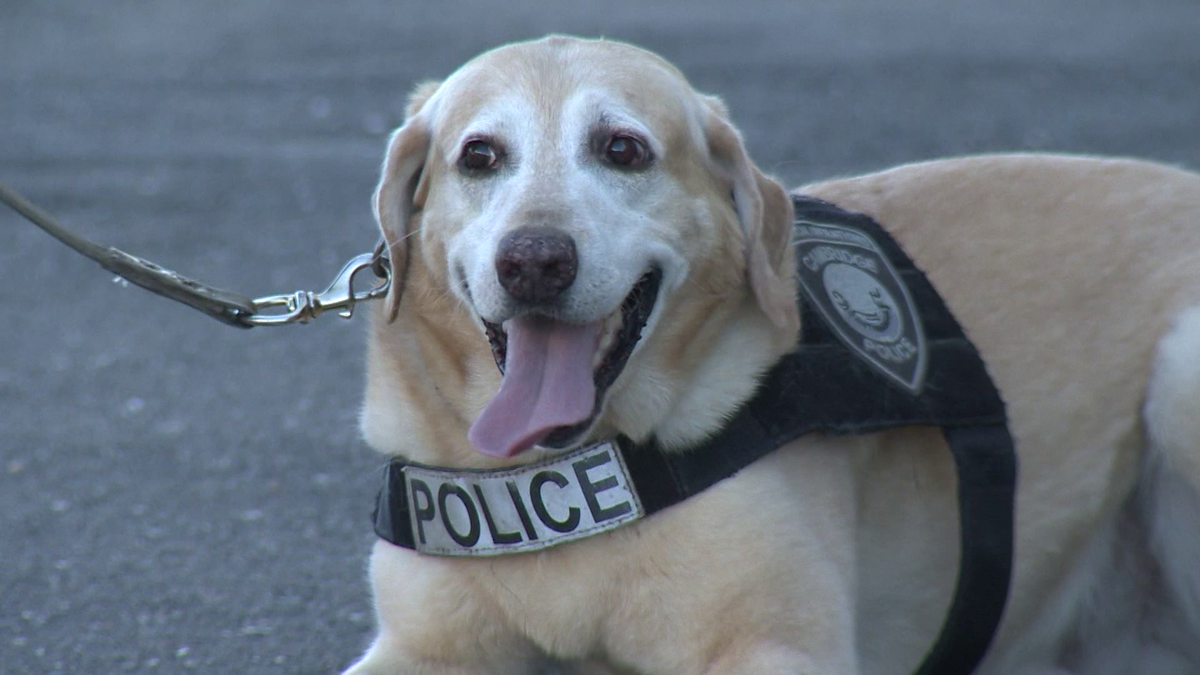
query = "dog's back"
x=1079 y=279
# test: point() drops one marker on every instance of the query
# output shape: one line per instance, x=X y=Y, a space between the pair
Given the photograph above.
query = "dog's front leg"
x=777 y=659
x=778 y=655
x=795 y=565
x=770 y=594
x=432 y=622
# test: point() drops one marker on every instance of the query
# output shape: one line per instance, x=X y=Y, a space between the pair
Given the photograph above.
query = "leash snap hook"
x=303 y=306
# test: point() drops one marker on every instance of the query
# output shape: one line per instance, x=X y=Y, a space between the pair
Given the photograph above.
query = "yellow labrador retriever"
x=573 y=211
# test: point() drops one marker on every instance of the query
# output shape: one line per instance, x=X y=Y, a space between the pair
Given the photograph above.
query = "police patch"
x=850 y=281
x=456 y=512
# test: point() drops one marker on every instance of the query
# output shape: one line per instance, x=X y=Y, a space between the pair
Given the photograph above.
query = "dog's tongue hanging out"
x=548 y=383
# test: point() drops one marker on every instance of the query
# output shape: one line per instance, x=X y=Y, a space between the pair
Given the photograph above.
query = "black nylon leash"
x=227 y=307
x=824 y=387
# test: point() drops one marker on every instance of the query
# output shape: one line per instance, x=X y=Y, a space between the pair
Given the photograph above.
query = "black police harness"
x=878 y=349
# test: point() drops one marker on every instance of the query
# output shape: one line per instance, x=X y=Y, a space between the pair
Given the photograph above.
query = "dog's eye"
x=627 y=151
x=479 y=156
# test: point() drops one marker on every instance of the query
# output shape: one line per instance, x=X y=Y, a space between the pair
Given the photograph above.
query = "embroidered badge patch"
x=526 y=508
x=852 y=284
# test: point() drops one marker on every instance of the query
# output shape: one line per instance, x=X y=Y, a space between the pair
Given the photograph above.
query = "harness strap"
x=986 y=488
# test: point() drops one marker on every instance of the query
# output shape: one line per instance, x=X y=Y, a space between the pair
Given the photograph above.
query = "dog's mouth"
x=556 y=374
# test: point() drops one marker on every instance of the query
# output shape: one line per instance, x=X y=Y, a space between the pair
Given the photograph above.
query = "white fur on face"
x=553 y=176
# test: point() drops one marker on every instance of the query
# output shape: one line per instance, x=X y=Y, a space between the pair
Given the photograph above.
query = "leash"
x=227 y=307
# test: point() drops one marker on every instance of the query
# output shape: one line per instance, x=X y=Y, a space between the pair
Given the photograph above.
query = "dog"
x=525 y=203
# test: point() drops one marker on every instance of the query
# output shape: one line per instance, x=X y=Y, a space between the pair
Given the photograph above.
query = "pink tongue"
x=548 y=383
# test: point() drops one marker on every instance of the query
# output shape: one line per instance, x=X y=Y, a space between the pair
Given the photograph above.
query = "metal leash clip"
x=302 y=306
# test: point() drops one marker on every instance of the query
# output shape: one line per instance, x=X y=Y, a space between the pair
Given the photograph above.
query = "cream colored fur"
x=1077 y=278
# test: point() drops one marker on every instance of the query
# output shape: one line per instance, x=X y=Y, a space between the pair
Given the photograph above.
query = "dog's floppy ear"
x=401 y=191
x=765 y=212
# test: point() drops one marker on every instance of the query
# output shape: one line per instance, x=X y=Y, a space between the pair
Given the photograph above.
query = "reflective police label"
x=527 y=508
x=846 y=275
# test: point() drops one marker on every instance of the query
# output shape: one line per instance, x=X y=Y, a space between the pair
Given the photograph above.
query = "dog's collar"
x=878 y=349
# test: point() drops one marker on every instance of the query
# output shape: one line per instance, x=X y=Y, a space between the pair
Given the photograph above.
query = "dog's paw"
x=586 y=668
x=777 y=659
x=382 y=660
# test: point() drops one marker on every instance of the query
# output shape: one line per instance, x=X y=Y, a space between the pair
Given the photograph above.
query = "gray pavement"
x=180 y=496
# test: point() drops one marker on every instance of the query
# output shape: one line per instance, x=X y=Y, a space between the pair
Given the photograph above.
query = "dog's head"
x=572 y=214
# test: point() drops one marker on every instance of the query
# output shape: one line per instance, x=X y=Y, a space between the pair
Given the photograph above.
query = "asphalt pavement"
x=181 y=496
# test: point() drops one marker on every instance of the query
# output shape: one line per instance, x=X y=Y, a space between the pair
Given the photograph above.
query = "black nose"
x=536 y=264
